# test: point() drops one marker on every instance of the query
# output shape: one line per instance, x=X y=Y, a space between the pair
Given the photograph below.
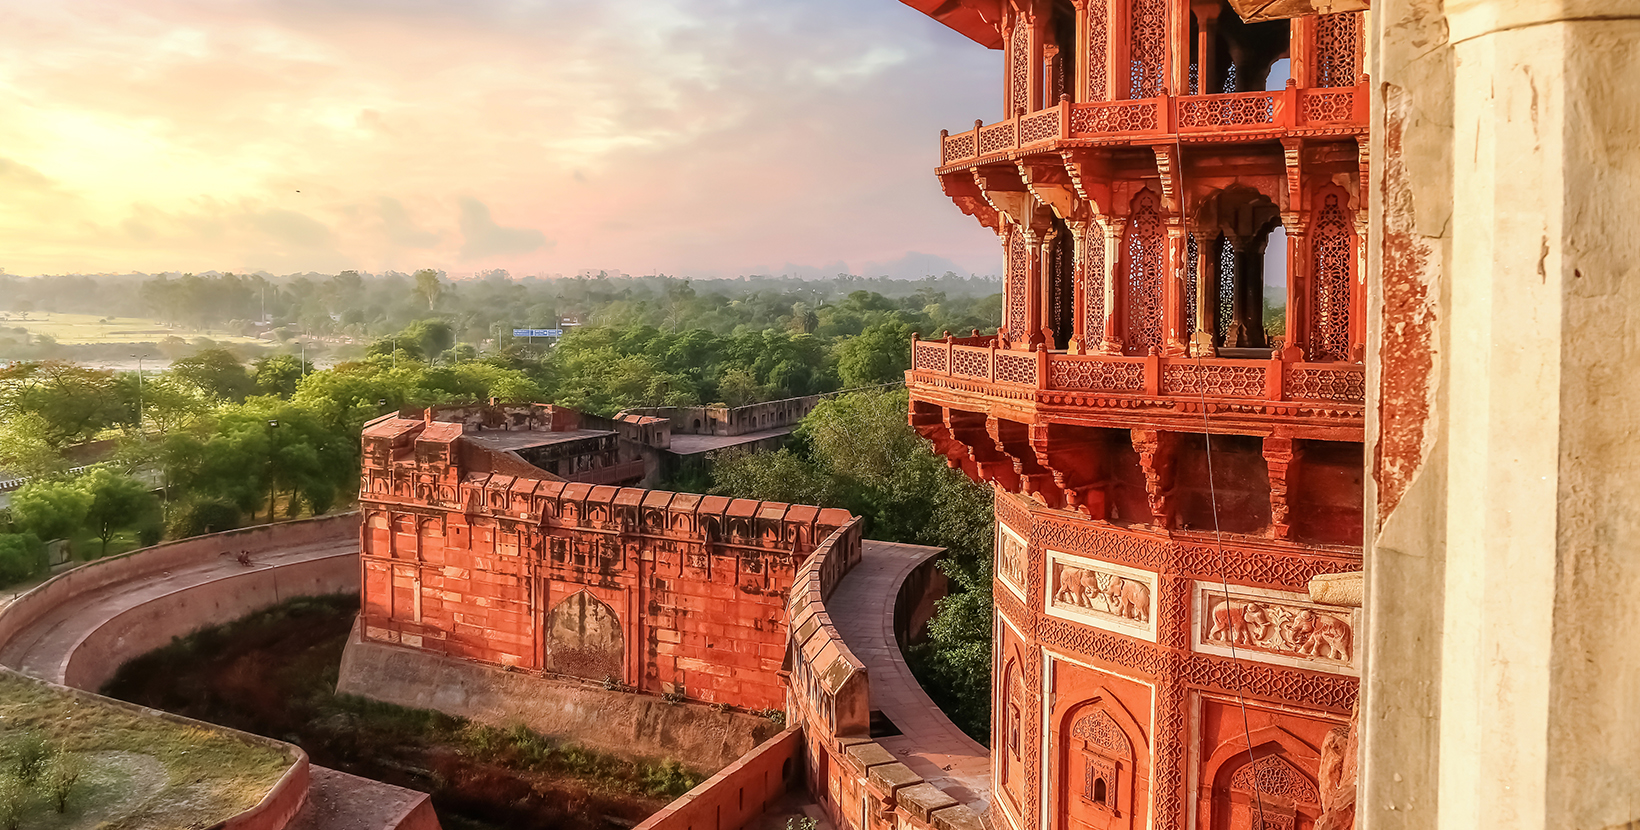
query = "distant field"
x=70 y=329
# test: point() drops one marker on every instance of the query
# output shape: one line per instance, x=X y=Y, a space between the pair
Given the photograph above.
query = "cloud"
x=483 y=238
x=15 y=176
x=401 y=230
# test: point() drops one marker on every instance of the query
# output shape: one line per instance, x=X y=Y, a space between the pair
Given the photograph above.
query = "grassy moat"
x=274 y=673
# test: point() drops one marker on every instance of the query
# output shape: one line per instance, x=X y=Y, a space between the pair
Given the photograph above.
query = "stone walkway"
x=43 y=648
x=862 y=608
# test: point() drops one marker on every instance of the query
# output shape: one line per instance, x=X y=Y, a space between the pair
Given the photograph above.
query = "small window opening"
x=1099 y=791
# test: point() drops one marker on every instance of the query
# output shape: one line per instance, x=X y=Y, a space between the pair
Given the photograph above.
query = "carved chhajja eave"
x=1253 y=11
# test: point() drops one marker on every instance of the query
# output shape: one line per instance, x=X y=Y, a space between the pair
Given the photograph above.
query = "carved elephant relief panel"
x=1275 y=627
x=1102 y=594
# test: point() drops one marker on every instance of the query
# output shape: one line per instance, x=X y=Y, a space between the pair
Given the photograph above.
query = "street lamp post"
x=139 y=391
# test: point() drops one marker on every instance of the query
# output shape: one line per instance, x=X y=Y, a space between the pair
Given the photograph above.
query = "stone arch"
x=1144 y=260
x=584 y=639
x=1104 y=758
x=1267 y=783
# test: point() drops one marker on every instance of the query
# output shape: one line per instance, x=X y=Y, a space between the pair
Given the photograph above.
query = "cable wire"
x=1224 y=582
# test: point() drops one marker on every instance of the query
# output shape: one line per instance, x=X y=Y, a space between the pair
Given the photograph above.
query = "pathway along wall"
x=90 y=660
x=854 y=779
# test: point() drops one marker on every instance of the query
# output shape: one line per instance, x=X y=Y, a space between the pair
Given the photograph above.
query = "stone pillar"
x=1501 y=668
x=1298 y=287
x=1201 y=341
x=1044 y=255
x=1174 y=337
x=1080 y=230
x=1034 y=294
x=1115 y=229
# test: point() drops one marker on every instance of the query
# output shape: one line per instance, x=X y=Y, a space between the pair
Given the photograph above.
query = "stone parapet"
x=855 y=780
x=739 y=792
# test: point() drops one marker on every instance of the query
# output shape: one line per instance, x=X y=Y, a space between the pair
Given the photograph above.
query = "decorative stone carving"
x=1101 y=594
x=1274 y=626
x=1011 y=562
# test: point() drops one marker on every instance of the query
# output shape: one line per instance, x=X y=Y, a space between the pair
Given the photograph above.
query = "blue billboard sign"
x=538 y=332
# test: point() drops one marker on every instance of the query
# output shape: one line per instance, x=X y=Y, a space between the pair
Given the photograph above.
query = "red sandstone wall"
x=859 y=784
x=220 y=604
x=739 y=792
x=662 y=592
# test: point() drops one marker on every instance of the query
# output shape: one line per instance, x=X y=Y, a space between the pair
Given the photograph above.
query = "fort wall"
x=739 y=792
x=855 y=780
x=564 y=709
x=667 y=593
x=94 y=658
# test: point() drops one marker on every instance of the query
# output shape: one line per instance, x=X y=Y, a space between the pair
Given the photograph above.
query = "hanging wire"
x=1224 y=582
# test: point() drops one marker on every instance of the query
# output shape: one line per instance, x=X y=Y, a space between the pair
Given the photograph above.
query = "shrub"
x=22 y=557
x=13 y=798
x=29 y=753
x=60 y=776
x=199 y=516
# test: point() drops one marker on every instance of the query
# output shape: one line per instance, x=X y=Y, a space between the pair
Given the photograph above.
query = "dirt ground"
x=274 y=674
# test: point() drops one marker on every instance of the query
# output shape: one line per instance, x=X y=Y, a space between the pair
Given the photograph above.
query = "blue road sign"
x=538 y=332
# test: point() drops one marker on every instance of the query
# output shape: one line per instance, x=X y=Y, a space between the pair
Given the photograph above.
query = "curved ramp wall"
x=91 y=657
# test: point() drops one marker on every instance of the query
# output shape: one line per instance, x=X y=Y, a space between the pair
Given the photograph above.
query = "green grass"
x=209 y=774
x=70 y=329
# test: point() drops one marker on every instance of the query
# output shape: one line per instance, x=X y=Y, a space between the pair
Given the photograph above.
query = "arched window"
x=1143 y=251
x=1333 y=247
x=1337 y=49
x=1148 y=49
x=1099 y=793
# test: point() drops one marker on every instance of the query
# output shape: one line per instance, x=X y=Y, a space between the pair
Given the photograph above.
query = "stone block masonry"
x=661 y=592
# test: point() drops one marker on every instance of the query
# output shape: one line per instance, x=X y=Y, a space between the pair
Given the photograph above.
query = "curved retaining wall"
x=858 y=783
x=138 y=630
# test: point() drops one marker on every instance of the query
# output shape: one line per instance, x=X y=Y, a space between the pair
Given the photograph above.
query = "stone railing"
x=857 y=782
x=1290 y=109
x=1271 y=379
x=828 y=681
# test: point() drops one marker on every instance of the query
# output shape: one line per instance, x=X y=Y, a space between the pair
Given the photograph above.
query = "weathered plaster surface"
x=1501 y=667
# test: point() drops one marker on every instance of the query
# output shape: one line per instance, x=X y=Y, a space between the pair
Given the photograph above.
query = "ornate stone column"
x=1201 y=340
x=1115 y=228
x=1044 y=255
x=1033 y=289
x=1175 y=340
x=1299 y=268
x=1082 y=281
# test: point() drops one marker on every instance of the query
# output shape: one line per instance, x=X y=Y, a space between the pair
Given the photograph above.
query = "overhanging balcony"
x=1323 y=400
x=1238 y=116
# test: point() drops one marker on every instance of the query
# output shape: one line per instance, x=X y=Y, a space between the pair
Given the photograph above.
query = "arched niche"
x=584 y=639
x=1246 y=289
x=1104 y=765
x=1269 y=786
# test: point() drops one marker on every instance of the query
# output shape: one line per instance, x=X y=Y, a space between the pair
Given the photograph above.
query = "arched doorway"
x=584 y=639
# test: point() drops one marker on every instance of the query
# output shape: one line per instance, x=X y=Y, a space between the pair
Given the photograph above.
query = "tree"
x=51 y=509
x=428 y=287
x=24 y=450
x=115 y=502
x=73 y=402
x=279 y=374
x=22 y=557
x=215 y=372
x=880 y=354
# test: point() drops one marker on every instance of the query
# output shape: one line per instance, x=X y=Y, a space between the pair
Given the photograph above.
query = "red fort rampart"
x=471 y=553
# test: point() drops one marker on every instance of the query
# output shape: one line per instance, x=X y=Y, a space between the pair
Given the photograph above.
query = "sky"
x=686 y=137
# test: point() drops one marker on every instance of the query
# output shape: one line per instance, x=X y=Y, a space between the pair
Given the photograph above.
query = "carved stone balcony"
x=1320 y=400
x=1240 y=116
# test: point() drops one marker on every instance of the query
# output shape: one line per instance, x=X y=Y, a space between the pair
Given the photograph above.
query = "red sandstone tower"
x=1171 y=410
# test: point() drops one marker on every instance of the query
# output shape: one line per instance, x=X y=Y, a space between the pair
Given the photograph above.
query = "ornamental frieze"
x=1275 y=627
